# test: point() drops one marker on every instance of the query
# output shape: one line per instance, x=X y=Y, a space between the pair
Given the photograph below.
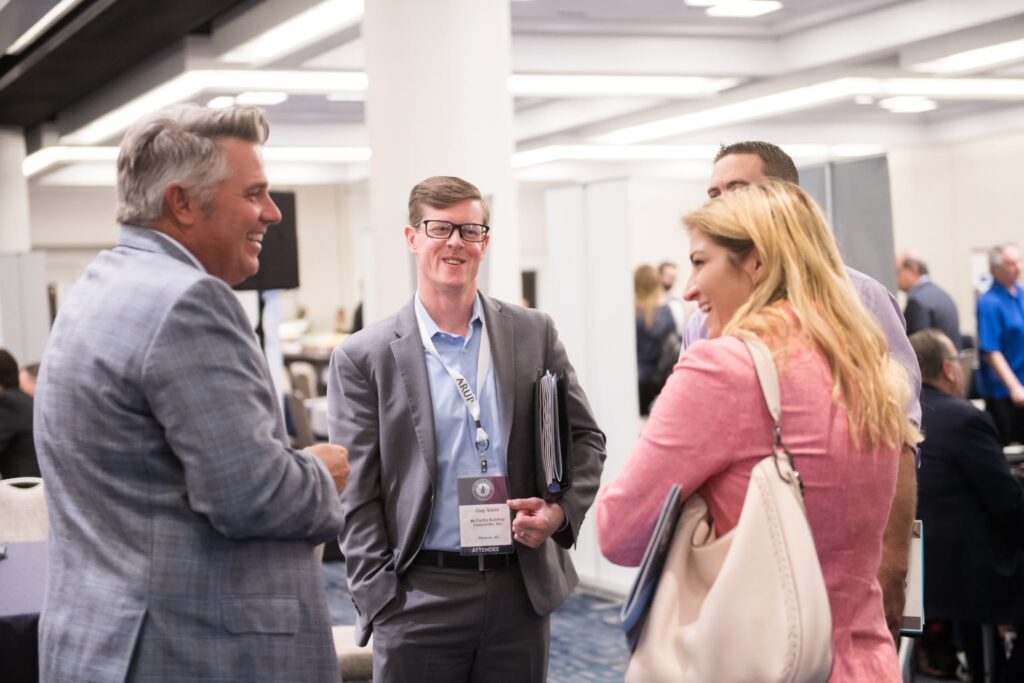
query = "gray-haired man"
x=182 y=524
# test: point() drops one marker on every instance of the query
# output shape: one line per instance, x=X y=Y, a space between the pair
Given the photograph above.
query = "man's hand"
x=336 y=460
x=535 y=520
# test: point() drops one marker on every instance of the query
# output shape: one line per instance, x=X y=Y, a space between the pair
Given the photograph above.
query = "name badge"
x=485 y=519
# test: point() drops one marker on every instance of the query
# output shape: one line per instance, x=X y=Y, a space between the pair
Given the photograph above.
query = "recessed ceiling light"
x=263 y=98
x=975 y=60
x=907 y=104
x=864 y=99
x=572 y=85
x=744 y=9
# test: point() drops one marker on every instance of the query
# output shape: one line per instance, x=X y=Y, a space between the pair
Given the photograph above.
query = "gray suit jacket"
x=182 y=526
x=380 y=407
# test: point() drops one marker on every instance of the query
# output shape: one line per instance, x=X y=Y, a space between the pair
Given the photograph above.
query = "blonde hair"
x=802 y=267
x=647 y=292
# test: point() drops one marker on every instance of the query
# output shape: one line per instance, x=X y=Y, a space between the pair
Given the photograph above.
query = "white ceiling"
x=779 y=59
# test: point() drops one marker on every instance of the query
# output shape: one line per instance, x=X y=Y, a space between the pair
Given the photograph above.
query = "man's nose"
x=271 y=214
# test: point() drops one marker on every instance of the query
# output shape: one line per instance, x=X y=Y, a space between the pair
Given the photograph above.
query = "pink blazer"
x=707 y=430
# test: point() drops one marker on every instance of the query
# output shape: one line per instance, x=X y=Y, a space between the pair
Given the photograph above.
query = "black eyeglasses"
x=442 y=230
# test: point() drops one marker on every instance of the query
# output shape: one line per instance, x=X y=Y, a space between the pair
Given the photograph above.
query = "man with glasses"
x=437 y=405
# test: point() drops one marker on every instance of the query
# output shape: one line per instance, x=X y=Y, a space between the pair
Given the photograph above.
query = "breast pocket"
x=260 y=615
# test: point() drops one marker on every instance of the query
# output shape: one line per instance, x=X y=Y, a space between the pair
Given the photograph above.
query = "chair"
x=304 y=378
x=356 y=663
x=300 y=421
x=23 y=516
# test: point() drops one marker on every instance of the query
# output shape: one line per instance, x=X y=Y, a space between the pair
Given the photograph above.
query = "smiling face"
x=717 y=284
x=448 y=267
x=227 y=235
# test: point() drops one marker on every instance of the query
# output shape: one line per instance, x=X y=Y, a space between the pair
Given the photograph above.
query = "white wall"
x=949 y=200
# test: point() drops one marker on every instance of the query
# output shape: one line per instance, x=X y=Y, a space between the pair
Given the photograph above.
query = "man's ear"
x=181 y=205
x=410 y=238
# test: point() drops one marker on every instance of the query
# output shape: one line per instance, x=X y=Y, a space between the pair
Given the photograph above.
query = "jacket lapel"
x=412 y=367
x=502 y=335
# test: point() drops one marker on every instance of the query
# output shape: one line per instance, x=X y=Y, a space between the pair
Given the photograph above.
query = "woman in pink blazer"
x=765 y=264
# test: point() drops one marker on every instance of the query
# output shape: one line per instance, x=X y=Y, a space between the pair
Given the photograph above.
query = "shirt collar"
x=433 y=329
x=191 y=257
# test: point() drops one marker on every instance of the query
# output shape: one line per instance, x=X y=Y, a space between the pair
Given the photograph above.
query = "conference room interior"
x=589 y=125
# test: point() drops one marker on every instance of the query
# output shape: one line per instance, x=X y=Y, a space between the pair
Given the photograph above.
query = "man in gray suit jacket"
x=438 y=397
x=182 y=526
x=929 y=307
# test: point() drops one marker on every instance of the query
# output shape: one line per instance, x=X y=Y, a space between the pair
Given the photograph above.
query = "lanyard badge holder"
x=485 y=519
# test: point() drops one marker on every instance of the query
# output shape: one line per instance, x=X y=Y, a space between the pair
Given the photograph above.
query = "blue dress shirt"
x=454 y=431
x=1000 y=328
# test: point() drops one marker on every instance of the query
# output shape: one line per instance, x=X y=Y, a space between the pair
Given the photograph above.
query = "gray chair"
x=23 y=515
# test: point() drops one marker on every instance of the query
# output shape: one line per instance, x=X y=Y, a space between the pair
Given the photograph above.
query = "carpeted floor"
x=586 y=640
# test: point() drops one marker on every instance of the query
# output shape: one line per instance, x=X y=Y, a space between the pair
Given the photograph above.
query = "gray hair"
x=932 y=350
x=178 y=145
x=995 y=255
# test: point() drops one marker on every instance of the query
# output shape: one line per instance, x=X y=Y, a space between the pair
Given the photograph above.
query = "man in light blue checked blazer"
x=182 y=525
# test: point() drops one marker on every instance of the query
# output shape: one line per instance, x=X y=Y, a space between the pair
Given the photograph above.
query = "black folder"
x=552 y=436
x=638 y=601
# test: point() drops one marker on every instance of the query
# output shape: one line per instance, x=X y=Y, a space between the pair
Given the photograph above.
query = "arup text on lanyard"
x=462 y=384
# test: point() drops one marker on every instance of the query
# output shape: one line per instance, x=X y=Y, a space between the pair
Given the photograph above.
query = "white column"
x=15 y=235
x=438 y=104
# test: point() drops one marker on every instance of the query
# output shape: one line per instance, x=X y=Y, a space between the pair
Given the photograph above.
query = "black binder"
x=552 y=426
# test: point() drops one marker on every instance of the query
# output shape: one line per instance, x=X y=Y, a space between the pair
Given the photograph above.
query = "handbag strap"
x=768 y=379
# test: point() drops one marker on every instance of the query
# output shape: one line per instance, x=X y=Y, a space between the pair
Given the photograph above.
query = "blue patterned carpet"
x=586 y=640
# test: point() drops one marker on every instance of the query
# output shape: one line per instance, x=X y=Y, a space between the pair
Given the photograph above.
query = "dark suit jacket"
x=380 y=408
x=973 y=514
x=17 y=449
x=929 y=306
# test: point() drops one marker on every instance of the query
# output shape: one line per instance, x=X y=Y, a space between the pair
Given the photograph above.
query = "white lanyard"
x=483 y=442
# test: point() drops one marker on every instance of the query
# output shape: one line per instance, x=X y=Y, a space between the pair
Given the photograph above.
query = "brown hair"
x=777 y=164
x=647 y=292
x=440 y=192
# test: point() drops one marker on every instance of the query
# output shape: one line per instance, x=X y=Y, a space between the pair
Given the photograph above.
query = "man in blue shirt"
x=437 y=402
x=1001 y=344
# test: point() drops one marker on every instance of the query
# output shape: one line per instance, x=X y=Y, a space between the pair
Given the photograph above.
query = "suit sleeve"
x=984 y=466
x=353 y=421
x=588 y=444
x=207 y=385
x=8 y=423
x=917 y=317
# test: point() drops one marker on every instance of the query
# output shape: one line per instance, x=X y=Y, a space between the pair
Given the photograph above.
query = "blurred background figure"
x=668 y=273
x=657 y=341
x=1001 y=344
x=17 y=448
x=27 y=378
x=972 y=508
x=928 y=305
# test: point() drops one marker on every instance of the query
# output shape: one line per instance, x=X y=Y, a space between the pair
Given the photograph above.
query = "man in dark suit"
x=434 y=402
x=971 y=506
x=928 y=305
x=17 y=449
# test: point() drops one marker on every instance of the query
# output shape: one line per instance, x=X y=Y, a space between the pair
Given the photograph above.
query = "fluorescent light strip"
x=304 y=28
x=956 y=88
x=571 y=85
x=48 y=20
x=191 y=83
x=46 y=158
x=974 y=60
x=746 y=110
x=550 y=153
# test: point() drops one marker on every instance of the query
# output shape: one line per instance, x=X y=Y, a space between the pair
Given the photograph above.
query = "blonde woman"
x=654 y=326
x=766 y=265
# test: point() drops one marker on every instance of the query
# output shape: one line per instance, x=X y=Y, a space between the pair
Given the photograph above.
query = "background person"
x=655 y=329
x=766 y=265
x=27 y=378
x=1001 y=344
x=928 y=305
x=17 y=447
x=183 y=525
x=438 y=615
x=972 y=508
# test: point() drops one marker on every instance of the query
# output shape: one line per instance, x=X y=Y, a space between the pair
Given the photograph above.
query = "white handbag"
x=750 y=605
